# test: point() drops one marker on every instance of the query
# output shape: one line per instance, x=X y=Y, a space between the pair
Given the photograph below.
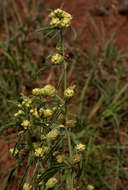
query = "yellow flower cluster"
x=48 y=90
x=69 y=92
x=51 y=182
x=25 y=124
x=71 y=123
x=60 y=158
x=80 y=147
x=12 y=151
x=52 y=134
x=43 y=137
x=46 y=112
x=27 y=186
x=60 y=18
x=75 y=159
x=26 y=102
x=20 y=112
x=38 y=152
x=45 y=149
x=36 y=91
x=57 y=59
x=61 y=126
x=90 y=187
x=34 y=112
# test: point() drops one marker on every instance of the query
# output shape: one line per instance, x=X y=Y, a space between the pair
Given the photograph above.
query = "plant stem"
x=65 y=64
x=66 y=129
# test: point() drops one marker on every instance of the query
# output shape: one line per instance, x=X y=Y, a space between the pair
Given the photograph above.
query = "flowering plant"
x=45 y=142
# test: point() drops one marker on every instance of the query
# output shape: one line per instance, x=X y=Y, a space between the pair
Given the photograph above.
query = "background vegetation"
x=101 y=98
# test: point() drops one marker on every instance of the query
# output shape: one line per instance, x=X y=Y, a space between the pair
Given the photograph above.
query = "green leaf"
x=25 y=176
x=105 y=182
x=11 y=174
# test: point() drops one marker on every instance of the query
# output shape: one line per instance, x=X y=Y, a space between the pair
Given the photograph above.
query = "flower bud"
x=60 y=158
x=70 y=123
x=27 y=186
x=51 y=182
x=25 y=124
x=52 y=134
x=75 y=159
x=69 y=92
x=39 y=152
x=47 y=112
x=90 y=187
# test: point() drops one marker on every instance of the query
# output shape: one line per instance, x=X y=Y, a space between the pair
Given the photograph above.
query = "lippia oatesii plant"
x=44 y=143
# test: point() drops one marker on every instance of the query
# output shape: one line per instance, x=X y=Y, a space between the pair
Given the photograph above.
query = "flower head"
x=47 y=112
x=12 y=151
x=45 y=149
x=90 y=187
x=71 y=123
x=60 y=158
x=25 y=124
x=43 y=137
x=36 y=91
x=20 y=112
x=80 y=147
x=52 y=134
x=38 y=152
x=57 y=59
x=60 y=18
x=34 y=112
x=27 y=186
x=47 y=90
x=61 y=126
x=69 y=92
x=55 y=21
x=26 y=102
x=75 y=159
x=51 y=182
